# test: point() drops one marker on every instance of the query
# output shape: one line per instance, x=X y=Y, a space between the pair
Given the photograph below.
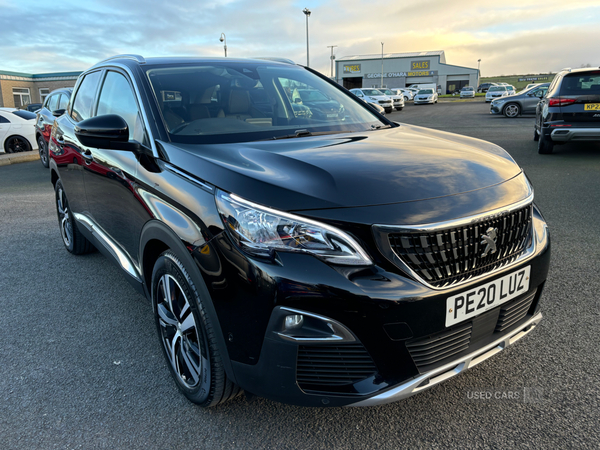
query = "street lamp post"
x=381 y=85
x=223 y=39
x=332 y=57
x=478 y=72
x=306 y=11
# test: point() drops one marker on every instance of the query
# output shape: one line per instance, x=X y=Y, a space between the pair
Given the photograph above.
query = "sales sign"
x=419 y=65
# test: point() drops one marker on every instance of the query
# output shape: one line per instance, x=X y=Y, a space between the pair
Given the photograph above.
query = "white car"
x=397 y=99
x=409 y=94
x=496 y=92
x=467 y=92
x=17 y=132
x=426 y=96
x=511 y=89
x=374 y=96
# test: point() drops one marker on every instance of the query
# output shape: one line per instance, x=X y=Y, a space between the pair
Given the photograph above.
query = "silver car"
x=523 y=102
x=396 y=98
x=426 y=96
x=374 y=96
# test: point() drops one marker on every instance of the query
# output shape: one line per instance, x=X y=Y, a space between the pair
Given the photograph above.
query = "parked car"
x=407 y=93
x=467 y=92
x=375 y=107
x=525 y=102
x=32 y=107
x=57 y=100
x=398 y=99
x=426 y=96
x=485 y=86
x=570 y=110
x=311 y=262
x=16 y=131
x=374 y=96
x=320 y=106
x=496 y=92
x=510 y=89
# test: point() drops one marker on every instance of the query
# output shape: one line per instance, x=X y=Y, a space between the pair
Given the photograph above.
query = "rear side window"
x=84 y=97
x=64 y=102
x=581 y=84
x=23 y=114
x=4 y=120
x=52 y=103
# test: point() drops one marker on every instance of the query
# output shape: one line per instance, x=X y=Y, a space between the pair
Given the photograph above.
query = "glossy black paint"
x=45 y=118
x=163 y=197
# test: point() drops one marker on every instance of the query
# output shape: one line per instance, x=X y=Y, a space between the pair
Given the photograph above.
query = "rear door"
x=582 y=92
x=66 y=150
x=532 y=98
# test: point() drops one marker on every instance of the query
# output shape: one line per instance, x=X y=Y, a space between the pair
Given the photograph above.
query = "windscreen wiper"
x=297 y=133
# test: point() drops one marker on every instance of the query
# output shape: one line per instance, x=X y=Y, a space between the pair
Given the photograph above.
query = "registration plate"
x=477 y=300
x=592 y=107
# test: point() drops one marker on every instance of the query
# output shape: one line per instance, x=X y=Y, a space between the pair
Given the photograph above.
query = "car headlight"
x=373 y=98
x=261 y=231
x=498 y=102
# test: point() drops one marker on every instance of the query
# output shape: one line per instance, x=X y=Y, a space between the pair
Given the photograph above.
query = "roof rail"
x=276 y=59
x=566 y=69
x=137 y=58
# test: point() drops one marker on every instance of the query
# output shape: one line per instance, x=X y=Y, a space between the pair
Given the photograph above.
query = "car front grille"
x=454 y=255
x=437 y=347
x=514 y=312
x=320 y=367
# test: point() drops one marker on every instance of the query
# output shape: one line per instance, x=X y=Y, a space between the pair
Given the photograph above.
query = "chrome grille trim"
x=382 y=237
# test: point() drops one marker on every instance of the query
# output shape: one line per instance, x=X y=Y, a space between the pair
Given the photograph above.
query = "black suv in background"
x=485 y=86
x=570 y=111
x=313 y=259
x=56 y=103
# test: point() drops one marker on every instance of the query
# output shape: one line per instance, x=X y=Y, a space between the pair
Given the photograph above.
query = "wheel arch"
x=7 y=138
x=156 y=237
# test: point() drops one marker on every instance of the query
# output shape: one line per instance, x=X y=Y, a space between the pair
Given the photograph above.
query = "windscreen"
x=241 y=101
x=581 y=84
x=497 y=88
x=426 y=91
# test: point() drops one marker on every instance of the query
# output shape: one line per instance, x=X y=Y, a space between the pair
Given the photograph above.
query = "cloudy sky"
x=509 y=36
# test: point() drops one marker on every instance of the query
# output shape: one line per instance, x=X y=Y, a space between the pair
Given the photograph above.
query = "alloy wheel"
x=511 y=111
x=16 y=145
x=179 y=332
x=66 y=229
x=42 y=150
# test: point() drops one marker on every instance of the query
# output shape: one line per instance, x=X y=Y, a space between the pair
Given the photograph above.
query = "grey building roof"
x=439 y=53
x=6 y=75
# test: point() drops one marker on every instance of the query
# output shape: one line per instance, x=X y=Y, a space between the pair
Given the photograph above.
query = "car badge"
x=489 y=238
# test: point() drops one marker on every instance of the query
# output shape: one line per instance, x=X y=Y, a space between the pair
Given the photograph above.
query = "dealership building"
x=403 y=70
x=19 y=89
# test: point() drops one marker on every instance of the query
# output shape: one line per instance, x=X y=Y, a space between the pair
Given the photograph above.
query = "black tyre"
x=512 y=110
x=399 y=109
x=16 y=144
x=43 y=149
x=405 y=99
x=74 y=241
x=536 y=136
x=545 y=144
x=187 y=336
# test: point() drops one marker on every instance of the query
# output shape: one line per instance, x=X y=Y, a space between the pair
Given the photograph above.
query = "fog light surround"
x=293 y=322
x=304 y=327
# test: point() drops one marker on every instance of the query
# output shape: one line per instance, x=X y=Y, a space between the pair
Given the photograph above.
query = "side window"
x=4 y=120
x=53 y=102
x=85 y=96
x=116 y=97
x=64 y=102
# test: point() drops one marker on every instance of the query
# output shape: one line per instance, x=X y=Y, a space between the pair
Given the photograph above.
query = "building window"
x=43 y=94
x=21 y=97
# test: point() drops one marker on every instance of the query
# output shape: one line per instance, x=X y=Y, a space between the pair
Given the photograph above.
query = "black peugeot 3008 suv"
x=309 y=259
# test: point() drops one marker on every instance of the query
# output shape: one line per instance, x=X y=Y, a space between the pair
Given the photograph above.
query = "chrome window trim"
x=171 y=168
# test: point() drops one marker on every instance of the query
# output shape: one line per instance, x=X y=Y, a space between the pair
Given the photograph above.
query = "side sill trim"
x=120 y=256
x=430 y=379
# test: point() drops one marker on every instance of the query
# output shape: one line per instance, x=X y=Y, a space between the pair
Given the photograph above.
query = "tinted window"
x=27 y=115
x=52 y=103
x=85 y=95
x=64 y=102
x=117 y=97
x=581 y=84
x=4 y=119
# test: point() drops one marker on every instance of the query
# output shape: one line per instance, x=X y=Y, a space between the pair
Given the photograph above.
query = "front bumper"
x=374 y=312
x=496 y=108
x=458 y=366
x=419 y=102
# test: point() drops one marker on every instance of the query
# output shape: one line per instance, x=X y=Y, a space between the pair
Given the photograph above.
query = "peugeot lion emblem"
x=489 y=238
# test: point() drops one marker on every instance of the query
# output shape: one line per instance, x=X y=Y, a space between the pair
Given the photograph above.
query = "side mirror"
x=297 y=100
x=109 y=132
x=58 y=112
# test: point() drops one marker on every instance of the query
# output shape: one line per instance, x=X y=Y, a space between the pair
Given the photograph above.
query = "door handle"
x=87 y=155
